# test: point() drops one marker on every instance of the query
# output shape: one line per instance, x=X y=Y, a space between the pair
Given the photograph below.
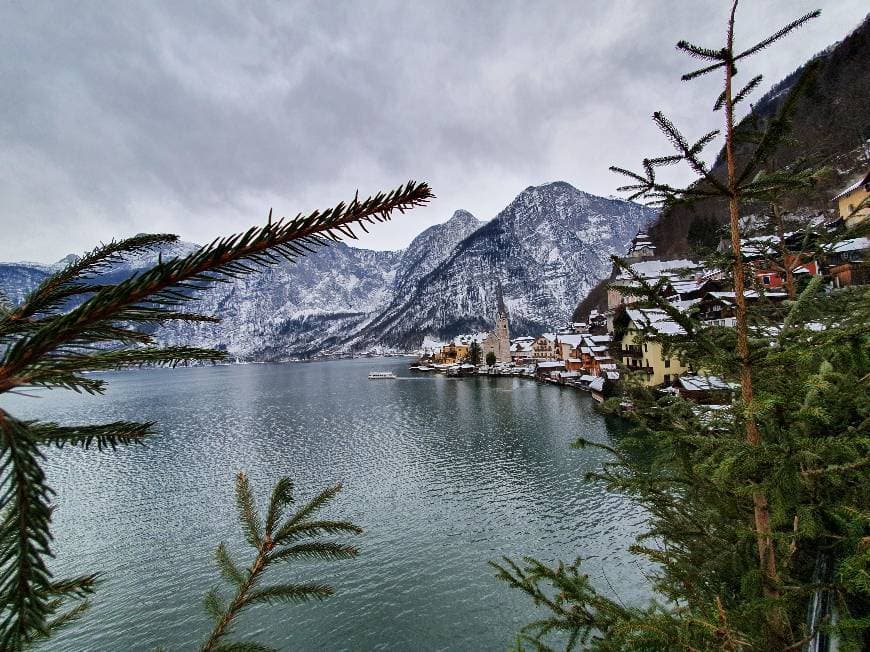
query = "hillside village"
x=626 y=341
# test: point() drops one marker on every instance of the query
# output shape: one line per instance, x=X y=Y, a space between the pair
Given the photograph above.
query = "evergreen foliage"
x=491 y=359
x=71 y=325
x=277 y=538
x=757 y=510
x=475 y=353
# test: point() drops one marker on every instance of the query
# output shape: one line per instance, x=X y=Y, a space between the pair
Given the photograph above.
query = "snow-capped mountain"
x=542 y=254
x=431 y=248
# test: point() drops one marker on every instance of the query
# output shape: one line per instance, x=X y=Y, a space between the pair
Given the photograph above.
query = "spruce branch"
x=231 y=257
x=66 y=283
x=741 y=95
x=251 y=524
x=246 y=585
x=25 y=537
x=109 y=435
x=773 y=38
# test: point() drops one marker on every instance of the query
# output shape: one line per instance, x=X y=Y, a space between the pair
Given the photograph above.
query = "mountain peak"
x=462 y=216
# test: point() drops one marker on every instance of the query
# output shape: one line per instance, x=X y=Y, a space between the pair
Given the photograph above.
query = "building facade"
x=498 y=341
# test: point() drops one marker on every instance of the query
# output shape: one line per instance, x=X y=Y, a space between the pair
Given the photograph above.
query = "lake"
x=443 y=474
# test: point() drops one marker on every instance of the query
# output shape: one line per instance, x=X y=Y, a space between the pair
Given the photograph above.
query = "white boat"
x=378 y=375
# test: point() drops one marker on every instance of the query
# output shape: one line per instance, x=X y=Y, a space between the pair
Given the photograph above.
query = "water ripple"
x=443 y=475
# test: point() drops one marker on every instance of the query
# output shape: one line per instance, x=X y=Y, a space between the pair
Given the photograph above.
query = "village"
x=626 y=341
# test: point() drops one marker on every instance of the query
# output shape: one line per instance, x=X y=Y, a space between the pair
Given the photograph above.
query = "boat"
x=381 y=375
x=421 y=367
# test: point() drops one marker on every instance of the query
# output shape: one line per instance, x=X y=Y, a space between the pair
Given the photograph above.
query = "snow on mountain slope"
x=542 y=254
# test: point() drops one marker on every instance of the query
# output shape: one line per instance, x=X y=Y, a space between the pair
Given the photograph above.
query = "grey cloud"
x=195 y=117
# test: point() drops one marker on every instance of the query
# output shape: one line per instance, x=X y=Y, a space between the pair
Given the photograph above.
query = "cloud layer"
x=195 y=118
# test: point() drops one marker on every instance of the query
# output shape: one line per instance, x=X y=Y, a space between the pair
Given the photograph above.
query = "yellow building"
x=452 y=353
x=853 y=203
x=645 y=356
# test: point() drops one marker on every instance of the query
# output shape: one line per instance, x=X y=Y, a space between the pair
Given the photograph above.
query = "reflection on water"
x=443 y=474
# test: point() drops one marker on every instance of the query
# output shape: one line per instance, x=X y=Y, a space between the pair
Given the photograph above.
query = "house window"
x=644 y=347
x=765 y=280
x=667 y=379
x=667 y=364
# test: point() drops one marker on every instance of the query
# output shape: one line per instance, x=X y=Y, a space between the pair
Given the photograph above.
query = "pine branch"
x=317 y=503
x=227 y=257
x=251 y=524
x=25 y=582
x=247 y=592
x=295 y=593
x=313 y=529
x=282 y=496
x=229 y=570
x=323 y=550
x=701 y=52
x=59 y=287
x=779 y=34
x=741 y=95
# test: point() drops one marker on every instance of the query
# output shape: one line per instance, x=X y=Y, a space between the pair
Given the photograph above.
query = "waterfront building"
x=544 y=347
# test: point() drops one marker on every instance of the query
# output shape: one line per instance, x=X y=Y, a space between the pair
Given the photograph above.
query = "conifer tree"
x=475 y=353
x=750 y=503
x=72 y=324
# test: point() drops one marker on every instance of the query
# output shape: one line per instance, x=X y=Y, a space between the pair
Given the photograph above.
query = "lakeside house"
x=544 y=347
x=718 y=308
x=853 y=202
x=643 y=354
x=847 y=262
x=586 y=355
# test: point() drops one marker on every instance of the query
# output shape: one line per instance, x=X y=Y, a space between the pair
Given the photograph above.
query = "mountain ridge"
x=542 y=252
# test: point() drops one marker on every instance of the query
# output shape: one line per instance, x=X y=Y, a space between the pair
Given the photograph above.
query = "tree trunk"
x=766 y=550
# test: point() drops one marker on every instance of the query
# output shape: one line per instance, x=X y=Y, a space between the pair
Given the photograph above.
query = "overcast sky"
x=195 y=117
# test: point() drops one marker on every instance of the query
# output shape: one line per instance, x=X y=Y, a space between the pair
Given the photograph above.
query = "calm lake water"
x=443 y=475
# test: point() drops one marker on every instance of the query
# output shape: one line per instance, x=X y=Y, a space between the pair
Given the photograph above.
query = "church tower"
x=502 y=339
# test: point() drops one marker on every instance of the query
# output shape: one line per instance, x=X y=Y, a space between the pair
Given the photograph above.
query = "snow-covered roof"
x=587 y=378
x=862 y=180
x=574 y=360
x=572 y=340
x=658 y=268
x=612 y=375
x=684 y=287
x=597 y=384
x=568 y=374
x=467 y=338
x=853 y=244
x=550 y=364
x=704 y=383
x=599 y=338
x=609 y=366
x=656 y=320
x=749 y=294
